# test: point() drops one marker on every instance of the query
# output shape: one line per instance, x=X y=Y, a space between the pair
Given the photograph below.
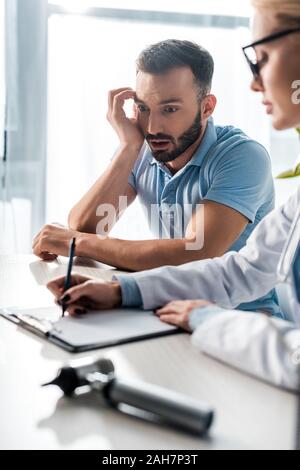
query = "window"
x=22 y=197
x=213 y=7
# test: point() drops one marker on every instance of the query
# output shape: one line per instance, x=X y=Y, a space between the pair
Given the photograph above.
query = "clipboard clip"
x=41 y=326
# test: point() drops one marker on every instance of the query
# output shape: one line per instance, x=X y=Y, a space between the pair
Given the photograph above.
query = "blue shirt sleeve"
x=131 y=180
x=242 y=179
x=131 y=295
x=138 y=166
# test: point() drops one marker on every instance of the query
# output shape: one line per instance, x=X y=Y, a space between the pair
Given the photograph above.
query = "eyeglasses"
x=254 y=64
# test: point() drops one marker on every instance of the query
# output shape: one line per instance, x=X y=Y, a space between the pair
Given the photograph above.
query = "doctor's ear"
x=208 y=105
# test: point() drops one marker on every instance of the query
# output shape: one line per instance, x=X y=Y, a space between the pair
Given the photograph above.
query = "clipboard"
x=93 y=330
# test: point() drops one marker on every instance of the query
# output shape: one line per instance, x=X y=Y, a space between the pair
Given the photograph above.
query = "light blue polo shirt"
x=228 y=168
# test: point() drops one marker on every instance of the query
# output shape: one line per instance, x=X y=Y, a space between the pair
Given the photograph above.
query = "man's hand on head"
x=127 y=128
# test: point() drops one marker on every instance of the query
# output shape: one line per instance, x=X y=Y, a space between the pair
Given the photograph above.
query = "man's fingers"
x=113 y=93
x=36 y=239
x=44 y=255
x=121 y=97
x=37 y=250
x=48 y=256
x=42 y=246
x=118 y=102
x=134 y=112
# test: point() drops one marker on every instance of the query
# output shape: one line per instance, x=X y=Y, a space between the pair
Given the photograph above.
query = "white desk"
x=249 y=414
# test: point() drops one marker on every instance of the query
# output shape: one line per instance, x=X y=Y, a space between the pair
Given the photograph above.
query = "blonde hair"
x=286 y=11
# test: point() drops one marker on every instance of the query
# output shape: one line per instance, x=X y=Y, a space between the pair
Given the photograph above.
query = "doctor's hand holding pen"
x=85 y=294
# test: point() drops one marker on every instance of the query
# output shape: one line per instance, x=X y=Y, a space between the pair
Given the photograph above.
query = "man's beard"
x=185 y=141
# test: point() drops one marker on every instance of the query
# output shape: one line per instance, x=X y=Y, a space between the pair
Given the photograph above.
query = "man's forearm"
x=137 y=255
x=107 y=190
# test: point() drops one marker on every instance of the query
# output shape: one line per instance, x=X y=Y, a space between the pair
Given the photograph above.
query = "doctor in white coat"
x=209 y=290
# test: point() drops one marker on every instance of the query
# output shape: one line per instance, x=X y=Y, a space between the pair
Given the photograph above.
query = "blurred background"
x=59 y=59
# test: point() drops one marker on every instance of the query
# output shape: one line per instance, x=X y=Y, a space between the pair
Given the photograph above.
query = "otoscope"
x=171 y=407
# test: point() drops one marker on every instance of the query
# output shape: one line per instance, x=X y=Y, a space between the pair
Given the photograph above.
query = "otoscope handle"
x=179 y=410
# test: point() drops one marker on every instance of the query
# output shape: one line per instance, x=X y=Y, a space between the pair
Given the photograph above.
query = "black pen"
x=68 y=277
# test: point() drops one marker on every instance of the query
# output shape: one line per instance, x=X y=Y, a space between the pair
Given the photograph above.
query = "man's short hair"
x=164 y=56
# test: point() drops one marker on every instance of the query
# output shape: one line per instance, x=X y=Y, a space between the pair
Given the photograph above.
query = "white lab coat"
x=232 y=279
x=265 y=347
x=262 y=346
